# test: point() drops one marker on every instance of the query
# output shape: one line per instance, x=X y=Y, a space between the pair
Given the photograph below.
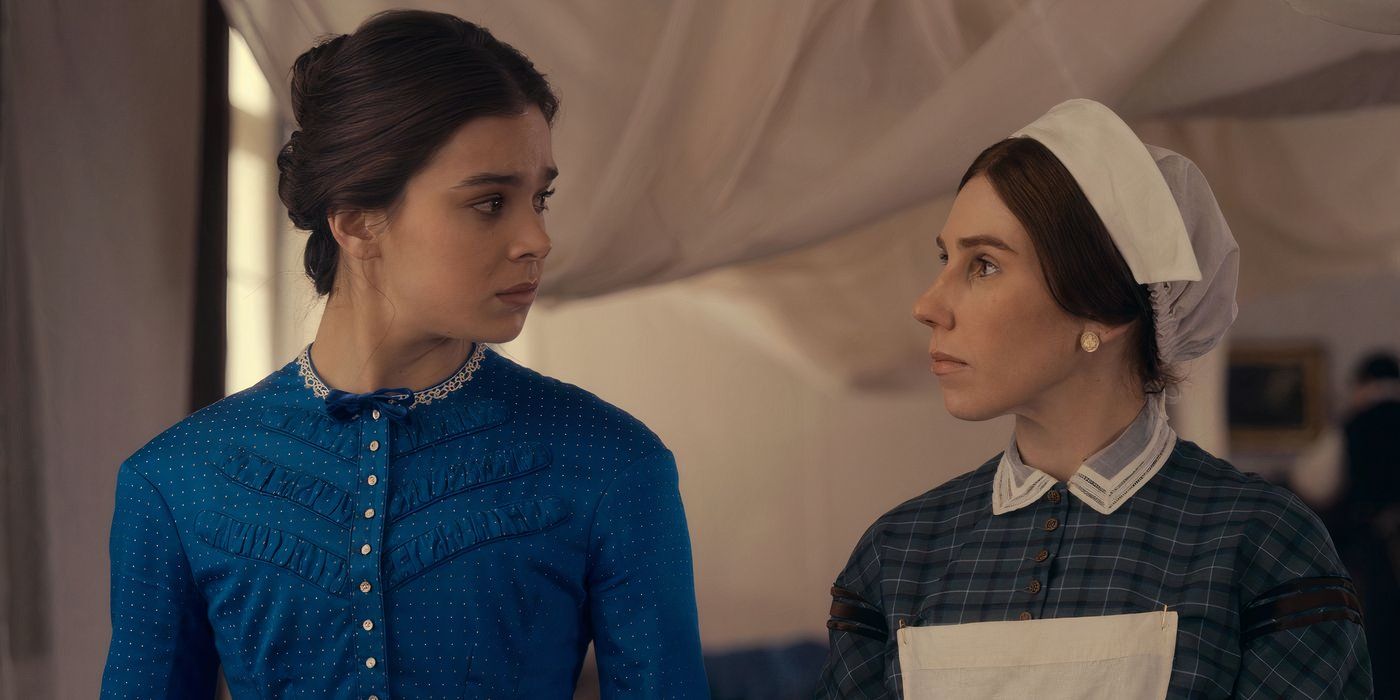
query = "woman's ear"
x=353 y=231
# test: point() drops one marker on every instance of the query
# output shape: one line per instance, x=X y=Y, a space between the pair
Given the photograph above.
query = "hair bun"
x=309 y=72
x=291 y=165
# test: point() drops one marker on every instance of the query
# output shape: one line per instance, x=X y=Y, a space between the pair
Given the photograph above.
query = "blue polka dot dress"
x=470 y=546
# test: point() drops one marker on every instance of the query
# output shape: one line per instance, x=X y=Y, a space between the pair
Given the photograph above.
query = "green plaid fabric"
x=1264 y=607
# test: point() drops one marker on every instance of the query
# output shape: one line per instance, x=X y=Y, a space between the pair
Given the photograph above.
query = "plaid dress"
x=1264 y=606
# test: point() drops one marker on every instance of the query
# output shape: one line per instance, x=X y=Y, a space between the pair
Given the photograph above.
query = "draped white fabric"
x=1308 y=198
x=699 y=134
x=1371 y=15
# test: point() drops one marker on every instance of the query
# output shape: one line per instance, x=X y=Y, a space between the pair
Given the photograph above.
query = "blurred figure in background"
x=1351 y=475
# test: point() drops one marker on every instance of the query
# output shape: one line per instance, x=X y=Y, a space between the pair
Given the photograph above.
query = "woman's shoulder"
x=929 y=521
x=1278 y=537
x=966 y=495
x=1213 y=479
x=208 y=430
x=546 y=405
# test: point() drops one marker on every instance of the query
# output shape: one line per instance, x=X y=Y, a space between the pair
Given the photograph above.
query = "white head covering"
x=1163 y=219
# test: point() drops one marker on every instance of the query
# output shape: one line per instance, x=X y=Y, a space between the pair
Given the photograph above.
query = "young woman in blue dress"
x=401 y=512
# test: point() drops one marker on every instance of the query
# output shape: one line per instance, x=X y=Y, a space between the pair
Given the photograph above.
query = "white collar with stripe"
x=1105 y=480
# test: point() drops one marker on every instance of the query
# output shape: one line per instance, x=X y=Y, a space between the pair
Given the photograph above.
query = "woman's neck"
x=359 y=352
x=1073 y=421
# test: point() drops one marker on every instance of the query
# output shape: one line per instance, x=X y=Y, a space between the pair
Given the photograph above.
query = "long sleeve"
x=162 y=644
x=641 y=587
x=1320 y=660
x=1301 y=624
x=859 y=635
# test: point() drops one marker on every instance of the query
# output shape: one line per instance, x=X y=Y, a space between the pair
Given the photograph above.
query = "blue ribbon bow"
x=343 y=405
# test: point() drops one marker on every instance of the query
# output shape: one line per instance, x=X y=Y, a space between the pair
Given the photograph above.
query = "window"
x=272 y=310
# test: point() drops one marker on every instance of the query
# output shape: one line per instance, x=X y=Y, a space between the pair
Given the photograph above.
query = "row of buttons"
x=1051 y=525
x=366 y=549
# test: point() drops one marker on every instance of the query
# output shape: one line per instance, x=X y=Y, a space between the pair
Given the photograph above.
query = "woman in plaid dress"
x=1099 y=555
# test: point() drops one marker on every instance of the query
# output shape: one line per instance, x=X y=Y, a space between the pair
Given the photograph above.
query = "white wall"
x=780 y=476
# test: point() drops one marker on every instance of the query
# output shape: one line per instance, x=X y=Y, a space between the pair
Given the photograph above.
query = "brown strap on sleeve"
x=1299 y=603
x=852 y=613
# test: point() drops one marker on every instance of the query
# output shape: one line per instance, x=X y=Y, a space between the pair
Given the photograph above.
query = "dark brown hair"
x=1086 y=274
x=373 y=107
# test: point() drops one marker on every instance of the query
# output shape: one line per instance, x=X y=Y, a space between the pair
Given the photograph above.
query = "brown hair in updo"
x=373 y=107
x=1086 y=274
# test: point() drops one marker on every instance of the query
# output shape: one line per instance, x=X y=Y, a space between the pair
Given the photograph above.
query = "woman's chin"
x=962 y=406
x=502 y=331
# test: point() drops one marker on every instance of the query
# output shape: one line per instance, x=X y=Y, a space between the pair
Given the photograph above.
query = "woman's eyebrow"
x=508 y=179
x=974 y=241
x=511 y=179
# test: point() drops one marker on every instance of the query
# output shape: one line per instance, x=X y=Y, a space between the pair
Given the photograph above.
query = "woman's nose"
x=532 y=242
x=931 y=308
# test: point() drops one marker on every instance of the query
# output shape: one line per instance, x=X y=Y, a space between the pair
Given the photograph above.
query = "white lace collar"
x=438 y=391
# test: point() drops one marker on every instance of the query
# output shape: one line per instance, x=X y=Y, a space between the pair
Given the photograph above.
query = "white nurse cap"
x=1162 y=217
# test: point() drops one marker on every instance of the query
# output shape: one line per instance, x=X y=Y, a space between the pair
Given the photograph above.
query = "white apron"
x=1110 y=657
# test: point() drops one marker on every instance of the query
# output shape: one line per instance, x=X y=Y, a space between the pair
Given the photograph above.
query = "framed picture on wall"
x=1276 y=395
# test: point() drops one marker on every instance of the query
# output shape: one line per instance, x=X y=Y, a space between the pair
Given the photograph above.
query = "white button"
x=369 y=513
x=365 y=587
x=374 y=414
x=368 y=625
x=370 y=662
x=373 y=445
x=372 y=480
x=364 y=549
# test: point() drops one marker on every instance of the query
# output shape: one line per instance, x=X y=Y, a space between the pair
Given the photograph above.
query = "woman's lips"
x=944 y=364
x=520 y=294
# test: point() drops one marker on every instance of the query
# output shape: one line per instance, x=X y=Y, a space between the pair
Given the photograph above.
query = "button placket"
x=1036 y=579
x=367 y=536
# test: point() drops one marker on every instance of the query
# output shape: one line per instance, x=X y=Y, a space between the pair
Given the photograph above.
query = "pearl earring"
x=1089 y=340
